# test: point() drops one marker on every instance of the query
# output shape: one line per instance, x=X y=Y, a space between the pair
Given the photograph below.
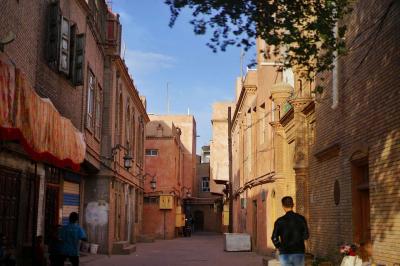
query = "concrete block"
x=274 y=262
x=237 y=242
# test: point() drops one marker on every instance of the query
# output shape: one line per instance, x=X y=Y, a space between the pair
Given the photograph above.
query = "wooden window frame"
x=90 y=101
x=98 y=112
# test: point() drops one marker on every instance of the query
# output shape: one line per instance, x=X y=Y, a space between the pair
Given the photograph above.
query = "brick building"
x=171 y=162
x=219 y=157
x=336 y=153
x=165 y=165
x=354 y=162
x=261 y=149
x=70 y=52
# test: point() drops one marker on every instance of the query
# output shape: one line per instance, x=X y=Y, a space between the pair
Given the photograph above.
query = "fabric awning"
x=34 y=121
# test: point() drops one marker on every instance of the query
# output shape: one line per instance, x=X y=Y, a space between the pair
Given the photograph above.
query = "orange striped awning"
x=35 y=122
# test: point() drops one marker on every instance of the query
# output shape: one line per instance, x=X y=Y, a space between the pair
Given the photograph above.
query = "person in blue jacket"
x=70 y=237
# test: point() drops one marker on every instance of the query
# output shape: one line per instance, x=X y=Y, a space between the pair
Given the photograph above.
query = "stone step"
x=128 y=250
x=118 y=247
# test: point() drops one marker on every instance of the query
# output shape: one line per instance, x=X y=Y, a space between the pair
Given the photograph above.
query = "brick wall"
x=366 y=120
x=24 y=20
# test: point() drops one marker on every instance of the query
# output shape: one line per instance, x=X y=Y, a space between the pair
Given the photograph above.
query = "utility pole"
x=167 y=97
x=230 y=226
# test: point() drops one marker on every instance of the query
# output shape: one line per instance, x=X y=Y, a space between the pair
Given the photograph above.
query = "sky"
x=157 y=54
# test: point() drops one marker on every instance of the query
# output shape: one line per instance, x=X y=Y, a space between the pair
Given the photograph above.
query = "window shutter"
x=78 y=61
x=73 y=31
x=53 y=33
x=64 y=45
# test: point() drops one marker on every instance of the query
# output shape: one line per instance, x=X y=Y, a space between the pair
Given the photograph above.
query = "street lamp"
x=188 y=193
x=128 y=160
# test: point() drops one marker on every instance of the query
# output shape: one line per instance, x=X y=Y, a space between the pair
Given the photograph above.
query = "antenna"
x=168 y=97
x=188 y=111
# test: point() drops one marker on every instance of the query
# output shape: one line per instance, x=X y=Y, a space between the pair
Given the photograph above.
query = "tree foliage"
x=302 y=32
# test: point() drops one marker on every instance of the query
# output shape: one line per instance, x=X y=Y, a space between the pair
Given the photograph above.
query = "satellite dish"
x=10 y=36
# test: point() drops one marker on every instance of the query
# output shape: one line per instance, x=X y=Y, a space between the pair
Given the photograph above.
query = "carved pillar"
x=300 y=163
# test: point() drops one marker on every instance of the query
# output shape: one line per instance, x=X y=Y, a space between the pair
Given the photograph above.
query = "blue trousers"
x=291 y=259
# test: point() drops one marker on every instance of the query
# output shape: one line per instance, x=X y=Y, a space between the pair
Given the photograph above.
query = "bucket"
x=94 y=248
x=85 y=247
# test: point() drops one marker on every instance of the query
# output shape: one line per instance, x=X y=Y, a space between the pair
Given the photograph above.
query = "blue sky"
x=156 y=54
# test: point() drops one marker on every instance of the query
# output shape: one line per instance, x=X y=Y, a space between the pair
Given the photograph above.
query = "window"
x=116 y=112
x=133 y=132
x=150 y=200
x=151 y=152
x=128 y=125
x=248 y=140
x=99 y=100
x=262 y=123
x=140 y=140
x=53 y=29
x=64 y=46
x=78 y=60
x=205 y=184
x=90 y=100
x=121 y=117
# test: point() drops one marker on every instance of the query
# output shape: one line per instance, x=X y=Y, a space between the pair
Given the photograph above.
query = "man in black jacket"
x=289 y=234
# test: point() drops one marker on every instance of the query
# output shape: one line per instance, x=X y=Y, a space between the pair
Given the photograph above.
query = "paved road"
x=205 y=249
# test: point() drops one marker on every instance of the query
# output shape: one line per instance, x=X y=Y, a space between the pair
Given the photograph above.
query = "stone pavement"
x=200 y=249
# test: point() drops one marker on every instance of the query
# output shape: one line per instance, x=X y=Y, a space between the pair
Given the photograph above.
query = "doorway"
x=254 y=235
x=53 y=178
x=198 y=220
x=361 y=202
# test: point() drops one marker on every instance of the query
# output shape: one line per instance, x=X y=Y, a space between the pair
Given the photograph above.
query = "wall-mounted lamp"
x=128 y=160
x=153 y=183
x=188 y=192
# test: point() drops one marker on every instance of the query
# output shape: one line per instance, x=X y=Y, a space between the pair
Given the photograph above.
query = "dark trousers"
x=73 y=259
x=56 y=260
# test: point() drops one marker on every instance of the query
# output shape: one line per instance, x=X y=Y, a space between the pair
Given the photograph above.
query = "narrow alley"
x=200 y=249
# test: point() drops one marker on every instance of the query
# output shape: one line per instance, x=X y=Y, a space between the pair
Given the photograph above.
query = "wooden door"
x=361 y=203
x=254 y=236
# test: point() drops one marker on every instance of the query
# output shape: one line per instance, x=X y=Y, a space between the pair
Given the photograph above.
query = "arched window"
x=120 y=118
x=128 y=125
x=133 y=132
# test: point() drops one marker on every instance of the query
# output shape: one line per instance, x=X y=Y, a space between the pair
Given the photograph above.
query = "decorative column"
x=301 y=154
x=280 y=93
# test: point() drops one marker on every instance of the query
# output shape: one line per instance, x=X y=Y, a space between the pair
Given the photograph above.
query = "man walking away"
x=70 y=236
x=289 y=234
